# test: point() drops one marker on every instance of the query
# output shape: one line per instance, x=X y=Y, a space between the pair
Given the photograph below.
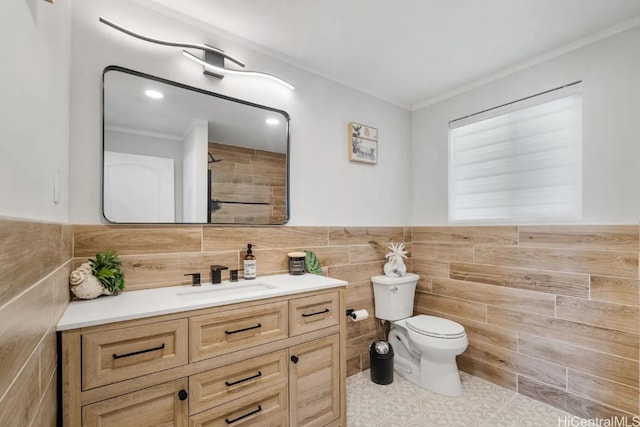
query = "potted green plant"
x=107 y=268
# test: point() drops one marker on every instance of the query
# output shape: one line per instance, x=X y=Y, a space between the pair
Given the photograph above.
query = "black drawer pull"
x=258 y=375
x=326 y=310
x=182 y=395
x=228 y=421
x=135 y=353
x=242 y=330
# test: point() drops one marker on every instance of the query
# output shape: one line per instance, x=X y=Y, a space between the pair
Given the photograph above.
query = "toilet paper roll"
x=359 y=315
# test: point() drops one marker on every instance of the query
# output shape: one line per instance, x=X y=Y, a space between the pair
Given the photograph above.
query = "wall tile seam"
x=37 y=283
x=536 y=358
x=42 y=397
x=596 y=325
x=53 y=330
x=62 y=225
x=573 y=345
x=512 y=289
x=221 y=251
x=600 y=402
x=572 y=393
x=35 y=352
x=161 y=254
x=73 y=241
x=589 y=399
x=555 y=315
x=556 y=386
x=566 y=320
x=518 y=241
x=444 y=315
x=580 y=346
x=462 y=299
x=566 y=387
x=567 y=368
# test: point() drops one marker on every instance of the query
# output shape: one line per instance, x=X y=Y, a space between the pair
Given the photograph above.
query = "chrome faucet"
x=216 y=273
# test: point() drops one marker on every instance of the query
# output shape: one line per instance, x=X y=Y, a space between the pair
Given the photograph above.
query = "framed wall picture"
x=363 y=143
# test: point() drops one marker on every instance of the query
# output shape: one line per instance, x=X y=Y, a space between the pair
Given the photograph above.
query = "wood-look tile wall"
x=35 y=262
x=550 y=311
x=245 y=176
x=157 y=256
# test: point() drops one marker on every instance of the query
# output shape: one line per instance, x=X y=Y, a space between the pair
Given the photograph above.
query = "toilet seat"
x=435 y=327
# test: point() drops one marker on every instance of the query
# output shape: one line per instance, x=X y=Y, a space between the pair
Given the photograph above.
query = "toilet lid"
x=436 y=327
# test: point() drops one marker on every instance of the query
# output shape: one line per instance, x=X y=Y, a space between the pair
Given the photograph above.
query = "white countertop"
x=131 y=305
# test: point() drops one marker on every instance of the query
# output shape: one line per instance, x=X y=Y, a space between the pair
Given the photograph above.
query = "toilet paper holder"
x=357 y=315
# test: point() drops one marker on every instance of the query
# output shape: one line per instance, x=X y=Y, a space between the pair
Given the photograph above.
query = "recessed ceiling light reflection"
x=272 y=121
x=153 y=94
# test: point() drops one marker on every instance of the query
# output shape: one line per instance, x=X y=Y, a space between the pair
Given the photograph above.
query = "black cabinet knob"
x=294 y=359
x=182 y=395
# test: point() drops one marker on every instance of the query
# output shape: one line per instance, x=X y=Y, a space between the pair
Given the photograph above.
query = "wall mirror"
x=177 y=154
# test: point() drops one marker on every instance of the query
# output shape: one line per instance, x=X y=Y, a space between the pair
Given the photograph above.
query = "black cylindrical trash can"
x=381 y=358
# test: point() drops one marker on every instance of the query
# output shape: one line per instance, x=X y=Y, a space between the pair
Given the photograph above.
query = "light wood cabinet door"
x=314 y=382
x=312 y=313
x=161 y=405
x=120 y=354
x=232 y=330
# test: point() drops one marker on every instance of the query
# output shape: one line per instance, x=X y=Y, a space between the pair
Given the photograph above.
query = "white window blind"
x=521 y=162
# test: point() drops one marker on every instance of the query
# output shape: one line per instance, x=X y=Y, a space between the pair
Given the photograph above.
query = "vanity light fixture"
x=271 y=121
x=217 y=71
x=153 y=94
x=213 y=61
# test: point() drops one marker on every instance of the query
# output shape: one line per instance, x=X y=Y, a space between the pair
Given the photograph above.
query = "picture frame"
x=363 y=143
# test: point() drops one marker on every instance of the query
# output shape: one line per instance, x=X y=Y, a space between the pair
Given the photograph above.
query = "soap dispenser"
x=249 y=264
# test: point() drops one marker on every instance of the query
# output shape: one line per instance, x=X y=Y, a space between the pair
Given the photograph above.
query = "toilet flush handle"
x=394 y=289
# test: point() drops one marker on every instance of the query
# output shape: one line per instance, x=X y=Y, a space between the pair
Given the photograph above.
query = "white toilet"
x=425 y=346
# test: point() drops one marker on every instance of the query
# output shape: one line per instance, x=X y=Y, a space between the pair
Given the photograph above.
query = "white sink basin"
x=225 y=289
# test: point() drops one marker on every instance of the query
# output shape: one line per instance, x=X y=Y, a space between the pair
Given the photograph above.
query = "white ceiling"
x=411 y=52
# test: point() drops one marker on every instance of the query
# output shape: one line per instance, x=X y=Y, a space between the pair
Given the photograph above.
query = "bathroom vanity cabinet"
x=276 y=362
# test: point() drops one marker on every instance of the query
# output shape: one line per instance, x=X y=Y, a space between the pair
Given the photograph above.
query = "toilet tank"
x=393 y=296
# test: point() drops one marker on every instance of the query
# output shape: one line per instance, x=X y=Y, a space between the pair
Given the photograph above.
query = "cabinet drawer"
x=227 y=331
x=160 y=405
x=313 y=313
x=221 y=385
x=120 y=354
x=269 y=407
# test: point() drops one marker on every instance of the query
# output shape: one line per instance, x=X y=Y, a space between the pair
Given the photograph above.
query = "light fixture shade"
x=222 y=70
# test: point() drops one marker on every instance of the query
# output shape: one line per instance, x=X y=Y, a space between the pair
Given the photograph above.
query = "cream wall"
x=34 y=108
x=609 y=72
x=325 y=188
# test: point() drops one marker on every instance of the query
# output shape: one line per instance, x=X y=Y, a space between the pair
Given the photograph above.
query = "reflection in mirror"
x=178 y=154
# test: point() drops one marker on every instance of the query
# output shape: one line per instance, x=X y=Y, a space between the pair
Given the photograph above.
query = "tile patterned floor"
x=483 y=404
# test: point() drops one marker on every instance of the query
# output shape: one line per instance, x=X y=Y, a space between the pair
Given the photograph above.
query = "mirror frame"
x=215 y=95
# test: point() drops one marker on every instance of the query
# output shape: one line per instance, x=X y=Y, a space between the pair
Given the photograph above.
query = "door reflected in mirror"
x=178 y=154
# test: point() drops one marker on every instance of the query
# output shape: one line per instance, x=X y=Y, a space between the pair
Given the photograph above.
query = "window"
x=520 y=162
